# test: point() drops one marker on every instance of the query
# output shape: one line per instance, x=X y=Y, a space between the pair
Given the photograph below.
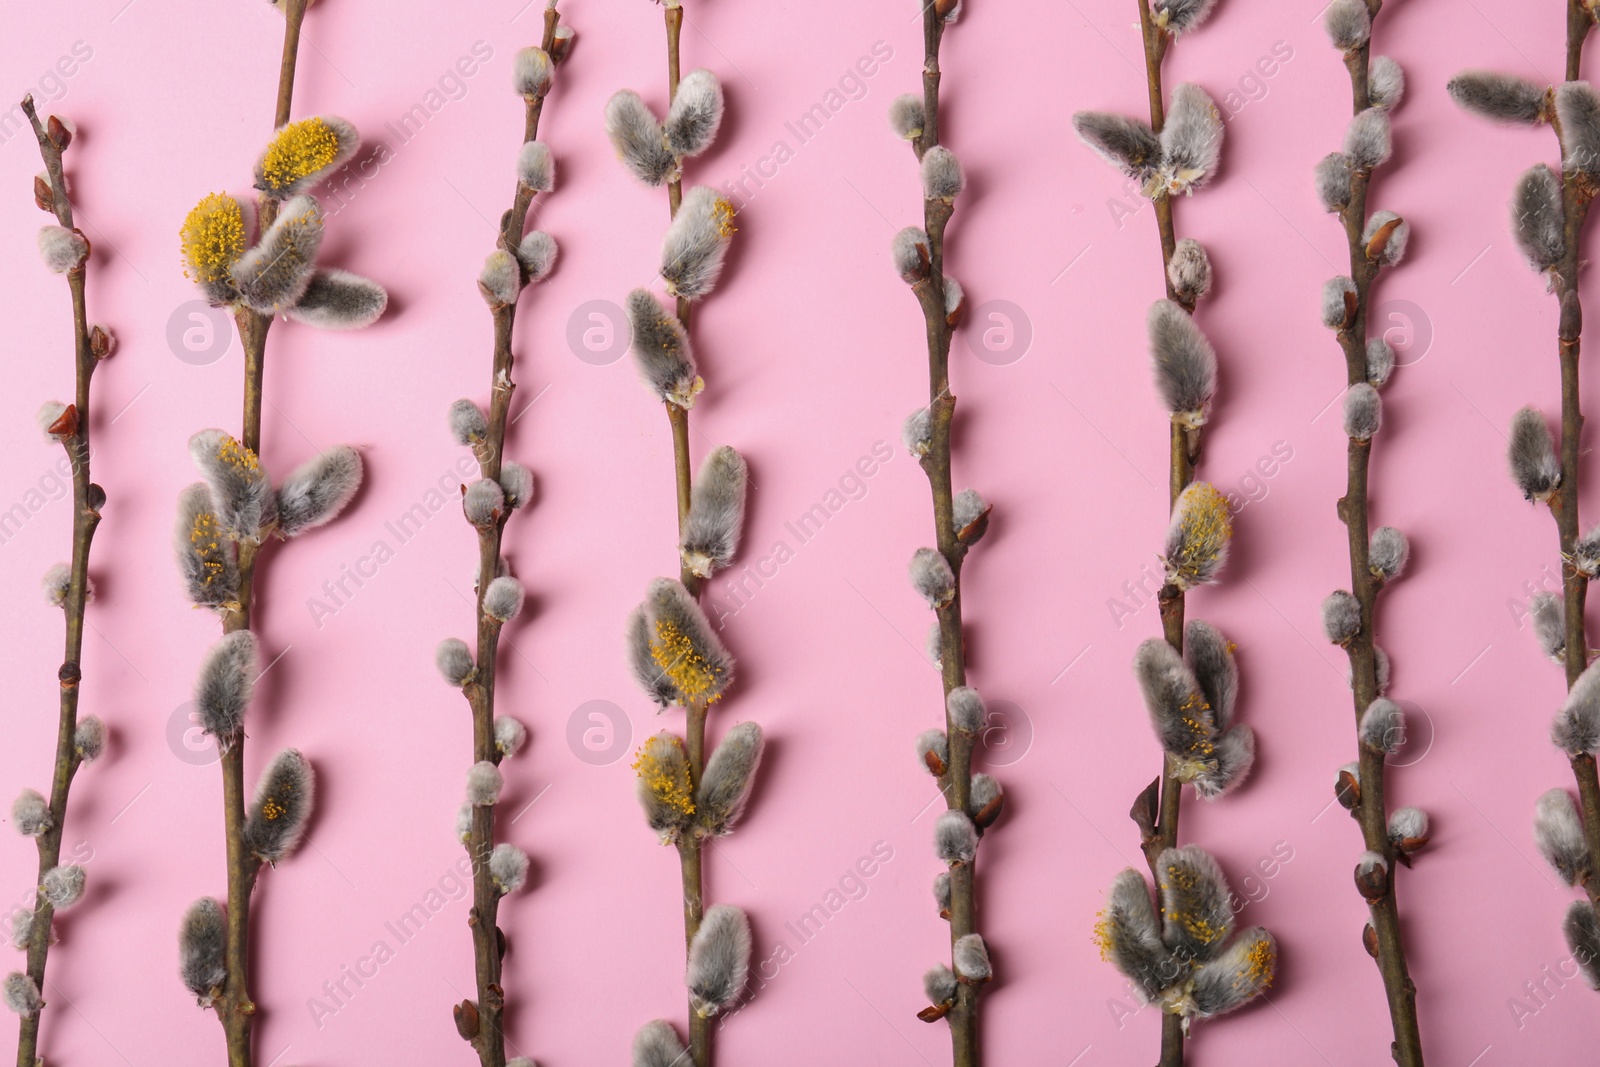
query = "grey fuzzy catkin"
x=1333 y=173
x=1236 y=977
x=1502 y=97
x=63 y=886
x=516 y=484
x=21 y=994
x=661 y=350
x=696 y=243
x=319 y=490
x=667 y=763
x=282 y=807
x=241 y=494
x=933 y=752
x=1549 y=624
x=536 y=166
x=639 y=140
x=509 y=735
x=1576 y=729
x=1348 y=23
x=464 y=822
x=1558 y=832
x=1209 y=656
x=916 y=433
x=955 y=839
x=30 y=813
x=537 y=254
x=1196 y=908
x=1234 y=754
x=711 y=529
x=347 y=142
x=1189 y=270
x=939 y=983
x=222 y=691
x=1387 y=553
x=969 y=516
x=676 y=619
x=1130 y=145
x=1198 y=534
x=728 y=779
x=1191 y=139
x=1363 y=411
x=1179 y=714
x=1130 y=936
x=941 y=892
x=1341 y=617
x=48 y=413
x=502 y=601
x=1336 y=303
x=483 y=502
x=275 y=274
x=719 y=960
x=1394 y=247
x=1578 y=109
x=1408 y=824
x=984 y=799
x=695 y=114
x=941 y=174
x=1380 y=670
x=61 y=249
x=933 y=645
x=1383 y=726
x=911 y=256
x=454 y=660
x=508 y=866
x=202 y=945
x=339 y=300
x=955 y=298
x=657 y=1045
x=1386 y=83
x=1185 y=364
x=531 y=72
x=964 y=709
x=1380 y=361
x=1582 y=930
x=468 y=423
x=500 y=280
x=1532 y=456
x=646 y=671
x=1181 y=16
x=1538 y=218
x=971 y=958
x=484 y=784
x=1586 y=553
x=1367 y=140
x=932 y=578
x=57 y=583
x=89 y=738
x=21 y=927
x=907 y=116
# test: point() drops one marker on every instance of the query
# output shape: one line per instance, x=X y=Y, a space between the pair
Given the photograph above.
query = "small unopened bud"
x=59 y=131
x=101 y=341
x=1372 y=877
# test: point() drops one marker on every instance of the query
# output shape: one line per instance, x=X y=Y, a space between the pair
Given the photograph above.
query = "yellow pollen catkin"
x=667 y=781
x=723 y=209
x=299 y=150
x=1201 y=929
x=212 y=238
x=680 y=661
x=272 y=810
x=205 y=539
x=1102 y=935
x=235 y=455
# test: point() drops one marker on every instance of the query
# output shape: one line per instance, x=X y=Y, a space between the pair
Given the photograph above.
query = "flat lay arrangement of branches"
x=503 y=488
x=1548 y=212
x=675 y=652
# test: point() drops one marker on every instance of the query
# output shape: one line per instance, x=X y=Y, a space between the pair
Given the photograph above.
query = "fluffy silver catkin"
x=1196 y=907
x=536 y=166
x=63 y=886
x=1408 y=824
x=933 y=751
x=1181 y=16
x=965 y=710
x=906 y=116
x=716 y=513
x=531 y=72
x=910 y=251
x=661 y=350
x=1363 y=411
x=941 y=174
x=509 y=735
x=484 y=784
x=984 y=799
x=932 y=578
x=61 y=249
x=1532 y=456
x=483 y=501
x=1179 y=714
x=1380 y=361
x=89 y=738
x=1366 y=139
x=1549 y=624
x=30 y=813
x=667 y=763
x=695 y=114
x=1576 y=729
x=516 y=483
x=1348 y=23
x=685 y=638
x=454 y=660
x=222 y=691
x=1586 y=553
x=939 y=983
x=1127 y=144
x=241 y=494
x=1191 y=139
x=1235 y=755
x=21 y=928
x=1582 y=930
x=1502 y=97
x=1196 y=545
x=916 y=433
x=1558 y=832
x=1386 y=83
x=657 y=1045
x=726 y=783
x=464 y=823
x=1538 y=219
x=319 y=490
x=639 y=140
x=201 y=949
x=1578 y=109
x=1387 y=553
x=955 y=839
x=347 y=142
x=955 y=298
x=1341 y=617
x=281 y=808
x=719 y=959
x=941 y=892
x=339 y=300
x=508 y=866
x=57 y=583
x=1333 y=174
x=1189 y=270
x=468 y=423
x=502 y=601
x=1236 y=977
x=537 y=254
x=275 y=274
x=971 y=958
x=1394 y=247
x=21 y=994
x=1130 y=936
x=1209 y=656
x=500 y=280
x=1383 y=726
x=696 y=243
x=1337 y=302
x=1185 y=363
x=646 y=671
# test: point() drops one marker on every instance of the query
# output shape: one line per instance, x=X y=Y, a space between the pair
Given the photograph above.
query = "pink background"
x=812 y=352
